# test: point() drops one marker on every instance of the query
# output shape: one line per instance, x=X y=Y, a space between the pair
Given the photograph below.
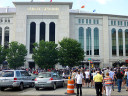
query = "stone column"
x=28 y=37
x=124 y=52
x=2 y=36
x=37 y=32
x=47 y=32
x=92 y=39
x=117 y=44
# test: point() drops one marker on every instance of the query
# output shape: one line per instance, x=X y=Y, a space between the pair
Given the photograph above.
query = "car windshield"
x=7 y=74
x=44 y=75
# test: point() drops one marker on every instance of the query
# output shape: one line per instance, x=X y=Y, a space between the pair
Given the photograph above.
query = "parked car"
x=48 y=80
x=15 y=78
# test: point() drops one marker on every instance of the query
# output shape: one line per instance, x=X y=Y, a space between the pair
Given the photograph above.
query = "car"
x=15 y=79
x=48 y=80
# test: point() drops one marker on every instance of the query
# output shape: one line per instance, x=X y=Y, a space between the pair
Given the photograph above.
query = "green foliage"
x=70 y=52
x=16 y=55
x=3 y=53
x=45 y=54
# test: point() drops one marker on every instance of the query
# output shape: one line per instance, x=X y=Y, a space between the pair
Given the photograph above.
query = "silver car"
x=15 y=78
x=48 y=80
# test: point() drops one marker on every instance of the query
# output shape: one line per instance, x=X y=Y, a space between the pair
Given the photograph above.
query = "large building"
x=103 y=37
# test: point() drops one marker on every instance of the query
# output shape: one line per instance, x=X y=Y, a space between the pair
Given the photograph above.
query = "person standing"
x=112 y=74
x=108 y=84
x=126 y=74
x=79 y=78
x=87 y=77
x=119 y=77
x=98 y=79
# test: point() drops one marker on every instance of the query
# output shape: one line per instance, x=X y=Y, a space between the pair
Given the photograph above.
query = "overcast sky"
x=118 y=7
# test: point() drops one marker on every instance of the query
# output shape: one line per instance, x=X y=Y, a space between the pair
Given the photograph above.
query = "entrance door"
x=32 y=65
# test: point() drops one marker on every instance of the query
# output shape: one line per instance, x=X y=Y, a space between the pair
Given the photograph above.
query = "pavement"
x=57 y=92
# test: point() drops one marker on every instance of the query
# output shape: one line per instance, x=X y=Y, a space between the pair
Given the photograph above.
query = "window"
x=86 y=21
x=120 y=42
x=88 y=41
x=79 y=20
x=113 y=32
x=24 y=73
x=52 y=31
x=81 y=36
x=32 y=35
x=111 y=22
x=94 y=21
x=97 y=21
x=17 y=73
x=114 y=22
x=118 y=22
x=126 y=41
x=1 y=20
x=7 y=74
x=96 y=41
x=5 y=19
x=6 y=37
x=42 y=31
x=124 y=23
x=121 y=23
x=82 y=21
x=8 y=20
x=0 y=36
x=89 y=21
x=127 y=23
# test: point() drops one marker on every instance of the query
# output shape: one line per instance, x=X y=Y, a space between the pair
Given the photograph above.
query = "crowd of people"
x=102 y=80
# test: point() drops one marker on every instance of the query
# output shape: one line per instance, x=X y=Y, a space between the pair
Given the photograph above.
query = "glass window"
x=86 y=21
x=94 y=22
x=0 y=36
x=7 y=74
x=24 y=73
x=44 y=75
x=89 y=21
x=52 y=31
x=82 y=21
x=42 y=31
x=32 y=35
x=126 y=41
x=114 y=22
x=118 y=22
x=113 y=42
x=6 y=37
x=121 y=23
x=5 y=19
x=127 y=23
x=17 y=73
x=111 y=22
x=88 y=41
x=79 y=20
x=97 y=21
x=120 y=42
x=81 y=36
x=8 y=20
x=124 y=23
x=1 y=20
x=96 y=41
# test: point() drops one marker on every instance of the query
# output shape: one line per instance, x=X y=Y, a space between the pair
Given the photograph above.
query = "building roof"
x=44 y=3
x=7 y=10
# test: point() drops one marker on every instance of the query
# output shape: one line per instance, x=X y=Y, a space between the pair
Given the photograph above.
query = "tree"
x=45 y=54
x=16 y=55
x=3 y=53
x=70 y=52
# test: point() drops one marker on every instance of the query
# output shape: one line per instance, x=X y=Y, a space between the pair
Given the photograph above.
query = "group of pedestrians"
x=102 y=80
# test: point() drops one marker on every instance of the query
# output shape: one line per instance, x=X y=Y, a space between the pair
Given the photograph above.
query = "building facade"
x=103 y=37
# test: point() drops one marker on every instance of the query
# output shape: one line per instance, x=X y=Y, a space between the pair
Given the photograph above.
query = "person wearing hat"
x=79 y=78
x=98 y=79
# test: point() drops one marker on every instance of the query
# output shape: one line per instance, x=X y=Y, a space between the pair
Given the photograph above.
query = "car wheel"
x=37 y=88
x=21 y=87
x=54 y=86
x=2 y=89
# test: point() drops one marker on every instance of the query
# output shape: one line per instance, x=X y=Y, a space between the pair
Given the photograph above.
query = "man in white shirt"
x=87 y=77
x=79 y=78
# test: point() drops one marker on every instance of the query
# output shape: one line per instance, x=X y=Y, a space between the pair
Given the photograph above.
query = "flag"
x=50 y=0
x=83 y=6
x=94 y=10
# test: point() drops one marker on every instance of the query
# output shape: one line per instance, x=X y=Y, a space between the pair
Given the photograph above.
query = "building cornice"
x=44 y=3
x=7 y=13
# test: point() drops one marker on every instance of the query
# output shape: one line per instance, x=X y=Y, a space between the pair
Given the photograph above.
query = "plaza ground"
x=57 y=92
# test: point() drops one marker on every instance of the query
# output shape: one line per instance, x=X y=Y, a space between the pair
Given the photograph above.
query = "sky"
x=117 y=7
